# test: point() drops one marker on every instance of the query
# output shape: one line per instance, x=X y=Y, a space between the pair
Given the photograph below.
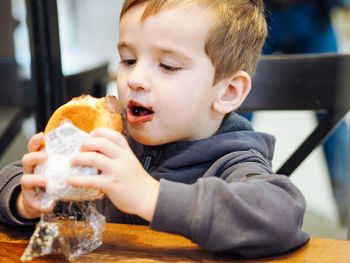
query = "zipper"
x=147 y=162
x=150 y=156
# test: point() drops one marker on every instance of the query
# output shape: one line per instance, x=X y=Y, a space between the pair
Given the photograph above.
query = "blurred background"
x=88 y=32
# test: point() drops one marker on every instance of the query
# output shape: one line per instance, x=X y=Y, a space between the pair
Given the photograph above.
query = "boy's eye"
x=169 y=68
x=128 y=62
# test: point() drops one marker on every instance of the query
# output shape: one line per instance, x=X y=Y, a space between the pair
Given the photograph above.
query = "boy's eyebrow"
x=122 y=45
x=176 y=52
x=163 y=50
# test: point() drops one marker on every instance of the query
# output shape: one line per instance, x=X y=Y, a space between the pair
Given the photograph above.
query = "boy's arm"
x=252 y=212
x=10 y=177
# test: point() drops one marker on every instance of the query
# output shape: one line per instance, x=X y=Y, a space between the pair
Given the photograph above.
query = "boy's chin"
x=149 y=140
x=142 y=138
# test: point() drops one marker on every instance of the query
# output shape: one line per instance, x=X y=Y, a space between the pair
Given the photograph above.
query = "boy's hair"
x=236 y=37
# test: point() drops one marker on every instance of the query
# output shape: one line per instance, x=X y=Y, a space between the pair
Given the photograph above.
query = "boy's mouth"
x=139 y=113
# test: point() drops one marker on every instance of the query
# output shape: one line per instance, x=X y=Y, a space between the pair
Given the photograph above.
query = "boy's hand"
x=122 y=178
x=28 y=203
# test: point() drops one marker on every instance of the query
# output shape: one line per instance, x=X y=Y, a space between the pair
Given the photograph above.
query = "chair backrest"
x=10 y=102
x=319 y=82
x=92 y=81
x=9 y=89
x=9 y=86
x=300 y=82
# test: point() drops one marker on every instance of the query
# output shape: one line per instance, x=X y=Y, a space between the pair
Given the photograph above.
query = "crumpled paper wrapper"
x=75 y=226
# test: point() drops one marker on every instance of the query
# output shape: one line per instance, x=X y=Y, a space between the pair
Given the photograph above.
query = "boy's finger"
x=35 y=142
x=102 y=145
x=38 y=206
x=94 y=182
x=93 y=159
x=29 y=181
x=30 y=160
x=112 y=135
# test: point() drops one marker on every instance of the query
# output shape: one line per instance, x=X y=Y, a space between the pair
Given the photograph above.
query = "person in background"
x=190 y=164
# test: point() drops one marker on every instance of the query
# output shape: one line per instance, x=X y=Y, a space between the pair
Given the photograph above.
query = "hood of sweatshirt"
x=189 y=160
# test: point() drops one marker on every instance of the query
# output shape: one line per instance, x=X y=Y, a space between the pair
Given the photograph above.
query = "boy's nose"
x=139 y=78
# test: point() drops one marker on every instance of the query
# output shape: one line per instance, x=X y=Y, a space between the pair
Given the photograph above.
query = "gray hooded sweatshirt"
x=220 y=192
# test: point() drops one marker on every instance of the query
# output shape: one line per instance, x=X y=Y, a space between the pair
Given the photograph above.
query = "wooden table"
x=130 y=243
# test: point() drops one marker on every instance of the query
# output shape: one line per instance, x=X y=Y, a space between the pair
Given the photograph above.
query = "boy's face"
x=165 y=77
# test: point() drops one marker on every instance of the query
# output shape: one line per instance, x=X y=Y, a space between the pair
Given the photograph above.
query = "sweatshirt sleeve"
x=10 y=177
x=247 y=210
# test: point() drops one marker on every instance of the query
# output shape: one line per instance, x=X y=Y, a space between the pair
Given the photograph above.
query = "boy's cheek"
x=123 y=94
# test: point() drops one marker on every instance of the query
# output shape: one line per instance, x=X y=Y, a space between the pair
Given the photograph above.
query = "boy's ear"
x=232 y=92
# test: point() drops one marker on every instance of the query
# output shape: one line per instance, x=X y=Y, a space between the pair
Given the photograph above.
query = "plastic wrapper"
x=75 y=226
x=74 y=229
x=61 y=145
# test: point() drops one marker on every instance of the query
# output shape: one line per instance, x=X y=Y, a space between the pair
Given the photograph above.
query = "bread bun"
x=88 y=113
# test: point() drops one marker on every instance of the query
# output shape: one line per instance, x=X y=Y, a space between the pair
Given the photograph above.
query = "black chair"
x=51 y=88
x=91 y=81
x=10 y=99
x=48 y=88
x=318 y=82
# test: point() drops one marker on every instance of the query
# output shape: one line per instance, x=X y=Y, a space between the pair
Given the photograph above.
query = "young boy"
x=190 y=166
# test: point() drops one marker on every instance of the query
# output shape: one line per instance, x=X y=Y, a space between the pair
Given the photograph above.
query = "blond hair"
x=236 y=37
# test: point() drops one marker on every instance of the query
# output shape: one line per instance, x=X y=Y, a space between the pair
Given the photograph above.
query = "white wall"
x=89 y=33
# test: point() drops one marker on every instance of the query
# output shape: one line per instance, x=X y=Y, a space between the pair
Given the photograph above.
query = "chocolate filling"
x=140 y=111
